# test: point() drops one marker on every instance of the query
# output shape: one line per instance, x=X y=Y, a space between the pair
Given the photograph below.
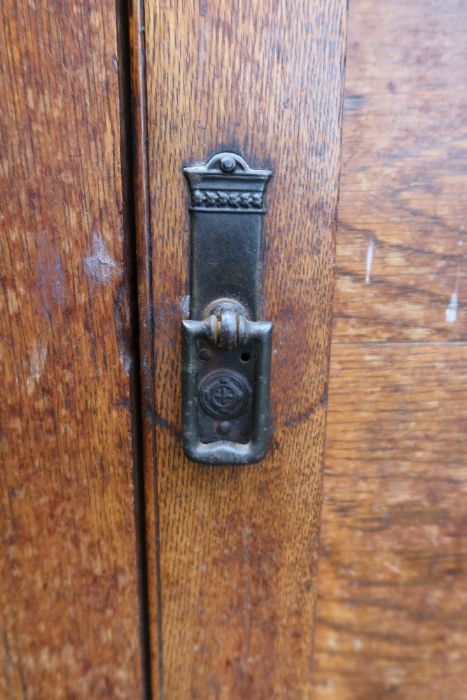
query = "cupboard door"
x=392 y=571
x=232 y=550
x=70 y=620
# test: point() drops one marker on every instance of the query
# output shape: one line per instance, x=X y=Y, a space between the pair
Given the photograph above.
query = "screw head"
x=228 y=164
x=224 y=427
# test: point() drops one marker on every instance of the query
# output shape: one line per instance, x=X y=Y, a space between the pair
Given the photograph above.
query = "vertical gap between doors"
x=130 y=241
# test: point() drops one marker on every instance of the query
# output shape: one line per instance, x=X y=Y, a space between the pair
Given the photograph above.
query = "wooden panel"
x=401 y=254
x=391 y=615
x=238 y=545
x=392 y=593
x=69 y=599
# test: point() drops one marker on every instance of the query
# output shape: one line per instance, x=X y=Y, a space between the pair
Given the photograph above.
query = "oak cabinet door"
x=232 y=551
x=129 y=570
x=392 y=585
x=70 y=622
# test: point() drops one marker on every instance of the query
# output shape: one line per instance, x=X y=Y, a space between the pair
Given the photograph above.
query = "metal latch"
x=226 y=350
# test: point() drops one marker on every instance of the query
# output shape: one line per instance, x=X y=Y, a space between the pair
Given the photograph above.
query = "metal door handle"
x=226 y=350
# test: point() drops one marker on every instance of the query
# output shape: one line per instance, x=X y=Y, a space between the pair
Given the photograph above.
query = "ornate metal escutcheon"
x=226 y=349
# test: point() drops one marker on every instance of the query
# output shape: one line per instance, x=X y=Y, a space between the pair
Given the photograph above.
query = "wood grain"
x=237 y=546
x=392 y=608
x=401 y=255
x=70 y=624
x=391 y=613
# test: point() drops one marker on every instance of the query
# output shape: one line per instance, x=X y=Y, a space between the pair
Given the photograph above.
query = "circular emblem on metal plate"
x=224 y=394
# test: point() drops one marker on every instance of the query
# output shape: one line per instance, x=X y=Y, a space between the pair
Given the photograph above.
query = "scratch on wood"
x=99 y=265
x=451 y=310
x=369 y=259
x=450 y=314
x=37 y=360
